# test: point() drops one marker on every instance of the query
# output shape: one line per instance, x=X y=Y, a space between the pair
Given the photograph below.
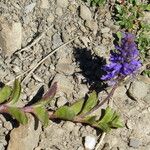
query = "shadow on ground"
x=91 y=68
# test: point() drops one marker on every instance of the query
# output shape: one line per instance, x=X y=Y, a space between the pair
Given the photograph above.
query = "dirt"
x=76 y=67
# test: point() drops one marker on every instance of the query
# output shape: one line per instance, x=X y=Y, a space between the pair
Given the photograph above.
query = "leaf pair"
x=97 y=2
x=110 y=120
x=39 y=108
x=79 y=107
x=10 y=95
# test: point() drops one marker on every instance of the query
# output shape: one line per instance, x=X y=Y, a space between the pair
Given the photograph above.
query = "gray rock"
x=25 y=136
x=16 y=69
x=85 y=40
x=80 y=148
x=138 y=90
x=61 y=101
x=2 y=146
x=147 y=98
x=56 y=40
x=85 y=13
x=64 y=84
x=90 y=142
x=108 y=23
x=100 y=50
x=105 y=30
x=62 y=3
x=29 y=8
x=50 y=18
x=59 y=11
x=10 y=37
x=65 y=68
x=135 y=143
x=3 y=140
x=8 y=125
x=65 y=36
x=69 y=126
x=44 y=4
x=92 y=24
x=120 y=92
x=130 y=124
x=83 y=90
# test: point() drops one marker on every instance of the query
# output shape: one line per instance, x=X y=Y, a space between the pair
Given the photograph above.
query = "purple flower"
x=124 y=61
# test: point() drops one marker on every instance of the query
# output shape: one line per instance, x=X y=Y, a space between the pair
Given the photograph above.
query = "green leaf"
x=65 y=112
x=119 y=35
x=48 y=96
x=18 y=115
x=110 y=120
x=90 y=119
x=16 y=92
x=146 y=7
x=5 y=93
x=103 y=126
x=119 y=8
x=108 y=115
x=90 y=103
x=116 y=123
x=77 y=106
x=41 y=114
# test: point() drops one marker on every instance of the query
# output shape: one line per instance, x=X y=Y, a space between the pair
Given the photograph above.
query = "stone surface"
x=64 y=84
x=83 y=90
x=135 y=143
x=10 y=37
x=56 y=40
x=92 y=24
x=59 y=11
x=138 y=90
x=67 y=24
x=25 y=136
x=85 y=13
x=29 y=8
x=61 y=101
x=90 y=142
x=120 y=92
x=65 y=68
x=50 y=18
x=105 y=30
x=44 y=4
x=62 y=3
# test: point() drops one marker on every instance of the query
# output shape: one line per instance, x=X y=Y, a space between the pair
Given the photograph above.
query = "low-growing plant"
x=75 y=112
x=96 y=2
x=124 y=62
x=143 y=40
x=128 y=14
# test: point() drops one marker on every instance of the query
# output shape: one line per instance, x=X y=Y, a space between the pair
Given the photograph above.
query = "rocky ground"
x=76 y=66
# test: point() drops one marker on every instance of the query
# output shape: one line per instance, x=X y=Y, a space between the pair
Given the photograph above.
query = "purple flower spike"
x=124 y=61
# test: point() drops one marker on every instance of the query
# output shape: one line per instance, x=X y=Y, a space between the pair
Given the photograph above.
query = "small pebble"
x=59 y=11
x=85 y=13
x=135 y=143
x=62 y=3
x=29 y=8
x=105 y=30
x=90 y=142
x=61 y=101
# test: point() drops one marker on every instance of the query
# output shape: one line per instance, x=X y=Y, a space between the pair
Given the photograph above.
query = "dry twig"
x=34 y=42
x=100 y=141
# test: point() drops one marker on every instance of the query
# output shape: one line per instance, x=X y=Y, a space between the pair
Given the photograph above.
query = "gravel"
x=75 y=67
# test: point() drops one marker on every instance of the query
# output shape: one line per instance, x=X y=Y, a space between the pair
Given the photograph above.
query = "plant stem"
x=101 y=103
